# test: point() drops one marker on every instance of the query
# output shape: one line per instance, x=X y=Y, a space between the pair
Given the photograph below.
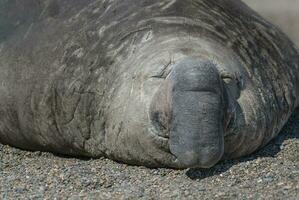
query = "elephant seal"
x=172 y=83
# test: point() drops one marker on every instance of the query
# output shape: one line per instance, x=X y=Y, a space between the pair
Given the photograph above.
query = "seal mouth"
x=231 y=112
x=161 y=142
x=230 y=122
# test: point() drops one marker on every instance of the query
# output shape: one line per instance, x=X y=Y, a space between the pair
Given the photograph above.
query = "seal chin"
x=189 y=110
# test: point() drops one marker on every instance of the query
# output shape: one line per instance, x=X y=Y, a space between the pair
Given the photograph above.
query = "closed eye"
x=233 y=83
x=165 y=71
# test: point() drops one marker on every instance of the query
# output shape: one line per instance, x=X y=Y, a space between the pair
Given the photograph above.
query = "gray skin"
x=171 y=83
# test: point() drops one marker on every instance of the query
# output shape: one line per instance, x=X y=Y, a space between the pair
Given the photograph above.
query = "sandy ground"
x=271 y=173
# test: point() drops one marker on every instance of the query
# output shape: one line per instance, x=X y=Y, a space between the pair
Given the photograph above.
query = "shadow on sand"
x=290 y=131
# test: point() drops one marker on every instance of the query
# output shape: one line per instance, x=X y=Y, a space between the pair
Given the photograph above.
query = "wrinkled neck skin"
x=174 y=101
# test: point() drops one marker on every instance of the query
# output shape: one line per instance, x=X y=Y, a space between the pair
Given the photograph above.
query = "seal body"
x=172 y=83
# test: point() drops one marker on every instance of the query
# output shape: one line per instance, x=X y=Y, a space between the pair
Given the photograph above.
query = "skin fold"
x=172 y=83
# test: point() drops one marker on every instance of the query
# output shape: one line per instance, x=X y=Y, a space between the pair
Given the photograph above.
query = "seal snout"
x=191 y=113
